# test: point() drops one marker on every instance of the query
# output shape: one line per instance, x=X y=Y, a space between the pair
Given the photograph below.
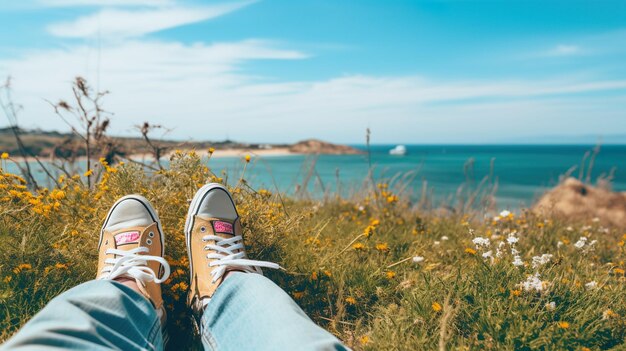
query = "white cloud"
x=119 y=24
x=202 y=91
x=564 y=50
x=109 y=3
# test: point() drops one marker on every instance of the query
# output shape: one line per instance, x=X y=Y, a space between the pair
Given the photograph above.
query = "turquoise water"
x=522 y=172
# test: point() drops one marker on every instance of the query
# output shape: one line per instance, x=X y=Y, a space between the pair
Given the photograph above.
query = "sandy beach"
x=281 y=151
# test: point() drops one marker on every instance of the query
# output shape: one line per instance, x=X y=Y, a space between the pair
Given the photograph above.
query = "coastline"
x=218 y=153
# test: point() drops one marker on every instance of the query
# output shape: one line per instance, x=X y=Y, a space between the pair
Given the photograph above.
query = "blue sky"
x=281 y=71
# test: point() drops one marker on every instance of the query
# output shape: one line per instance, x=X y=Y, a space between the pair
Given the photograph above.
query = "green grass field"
x=372 y=271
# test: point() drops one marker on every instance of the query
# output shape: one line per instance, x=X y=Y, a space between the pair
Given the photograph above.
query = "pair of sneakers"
x=132 y=246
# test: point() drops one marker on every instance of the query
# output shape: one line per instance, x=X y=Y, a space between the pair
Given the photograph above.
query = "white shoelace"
x=225 y=256
x=133 y=264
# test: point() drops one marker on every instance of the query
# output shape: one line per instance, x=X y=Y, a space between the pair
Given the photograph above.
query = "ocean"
x=521 y=172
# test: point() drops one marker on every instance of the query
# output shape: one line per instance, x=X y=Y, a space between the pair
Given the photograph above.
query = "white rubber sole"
x=148 y=207
x=194 y=207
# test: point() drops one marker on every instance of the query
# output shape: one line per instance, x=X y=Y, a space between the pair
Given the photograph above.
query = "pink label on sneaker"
x=127 y=238
x=223 y=227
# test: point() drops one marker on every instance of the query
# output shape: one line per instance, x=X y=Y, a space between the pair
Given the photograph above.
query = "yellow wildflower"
x=314 y=276
x=211 y=150
x=436 y=307
x=88 y=173
x=328 y=274
x=516 y=292
x=7 y=279
x=470 y=251
x=298 y=294
x=183 y=286
x=22 y=267
x=350 y=300
x=57 y=194
x=60 y=266
x=382 y=247
x=369 y=230
x=390 y=274
x=392 y=199
x=563 y=325
x=618 y=271
x=358 y=246
x=5 y=155
x=364 y=339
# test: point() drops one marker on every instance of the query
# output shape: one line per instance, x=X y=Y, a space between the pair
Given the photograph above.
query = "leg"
x=250 y=312
x=106 y=314
x=97 y=315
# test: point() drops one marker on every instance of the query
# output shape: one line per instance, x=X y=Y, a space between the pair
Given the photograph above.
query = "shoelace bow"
x=225 y=256
x=134 y=264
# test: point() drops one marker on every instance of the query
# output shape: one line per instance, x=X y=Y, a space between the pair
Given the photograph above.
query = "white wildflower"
x=517 y=261
x=436 y=242
x=550 y=306
x=444 y=238
x=478 y=241
x=533 y=283
x=607 y=314
x=512 y=239
x=581 y=242
x=591 y=285
x=559 y=244
x=418 y=259
x=569 y=229
x=541 y=260
x=505 y=213
x=595 y=220
x=499 y=249
x=488 y=254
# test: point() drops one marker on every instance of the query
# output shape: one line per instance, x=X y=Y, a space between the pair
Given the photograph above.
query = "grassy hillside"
x=371 y=271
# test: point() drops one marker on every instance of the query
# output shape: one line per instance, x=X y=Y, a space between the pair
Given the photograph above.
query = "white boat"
x=399 y=150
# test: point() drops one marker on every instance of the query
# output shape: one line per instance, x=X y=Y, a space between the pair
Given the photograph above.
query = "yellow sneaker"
x=214 y=244
x=131 y=246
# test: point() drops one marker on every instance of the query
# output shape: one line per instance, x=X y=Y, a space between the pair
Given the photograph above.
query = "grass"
x=354 y=266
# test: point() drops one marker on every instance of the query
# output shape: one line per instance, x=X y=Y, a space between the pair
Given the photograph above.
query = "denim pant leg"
x=250 y=312
x=96 y=315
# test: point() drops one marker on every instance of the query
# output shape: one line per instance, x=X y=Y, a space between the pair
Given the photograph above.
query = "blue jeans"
x=247 y=312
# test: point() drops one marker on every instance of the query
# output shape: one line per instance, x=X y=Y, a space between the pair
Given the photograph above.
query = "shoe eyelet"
x=202 y=229
x=149 y=242
x=151 y=234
